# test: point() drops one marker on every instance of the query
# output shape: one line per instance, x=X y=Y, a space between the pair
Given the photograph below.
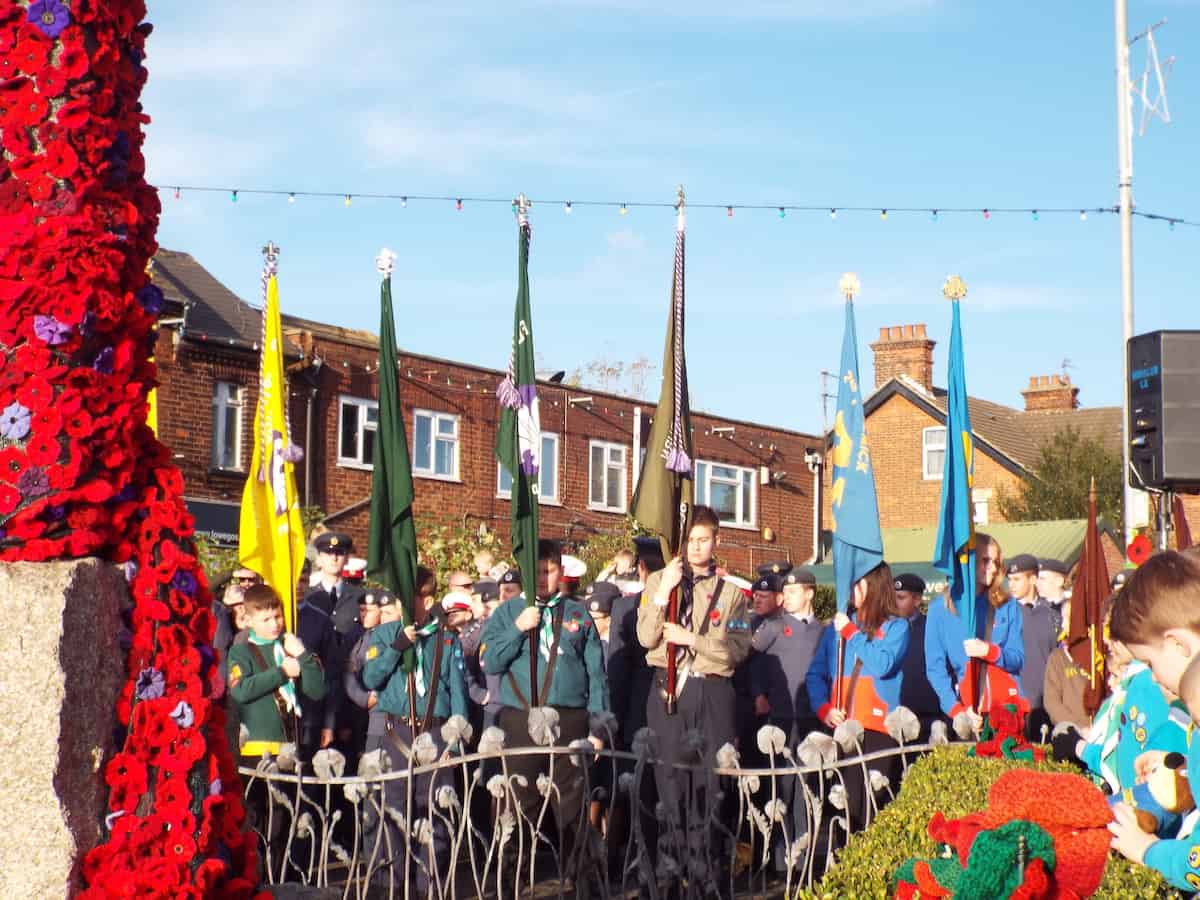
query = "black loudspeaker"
x=1164 y=410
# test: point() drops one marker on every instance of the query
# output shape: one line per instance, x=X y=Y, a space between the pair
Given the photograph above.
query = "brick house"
x=757 y=475
x=906 y=425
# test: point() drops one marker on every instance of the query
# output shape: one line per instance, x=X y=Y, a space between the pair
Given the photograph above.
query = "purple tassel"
x=508 y=395
x=679 y=461
x=293 y=453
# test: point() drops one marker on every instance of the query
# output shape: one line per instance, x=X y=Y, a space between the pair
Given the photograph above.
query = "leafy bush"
x=446 y=546
x=825 y=602
x=948 y=780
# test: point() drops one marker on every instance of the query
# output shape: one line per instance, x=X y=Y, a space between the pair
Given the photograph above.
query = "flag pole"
x=529 y=581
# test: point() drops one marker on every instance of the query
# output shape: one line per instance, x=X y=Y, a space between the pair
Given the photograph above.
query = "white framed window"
x=547 y=472
x=980 y=498
x=358 y=420
x=435 y=444
x=227 y=402
x=933 y=453
x=607 y=465
x=731 y=491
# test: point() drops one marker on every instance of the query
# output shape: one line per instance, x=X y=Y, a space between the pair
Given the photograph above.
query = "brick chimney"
x=904 y=350
x=1050 y=392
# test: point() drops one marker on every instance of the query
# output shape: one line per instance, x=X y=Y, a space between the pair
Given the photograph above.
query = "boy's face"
x=1050 y=584
x=549 y=576
x=798 y=598
x=389 y=613
x=701 y=546
x=1022 y=584
x=368 y=615
x=1169 y=657
x=330 y=563
x=267 y=624
x=508 y=591
x=907 y=603
x=765 y=603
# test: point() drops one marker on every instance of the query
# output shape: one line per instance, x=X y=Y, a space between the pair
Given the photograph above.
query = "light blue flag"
x=857 y=542
x=954 y=552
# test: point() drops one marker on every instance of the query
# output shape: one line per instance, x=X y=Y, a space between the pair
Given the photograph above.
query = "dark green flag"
x=519 y=438
x=392 y=542
x=663 y=500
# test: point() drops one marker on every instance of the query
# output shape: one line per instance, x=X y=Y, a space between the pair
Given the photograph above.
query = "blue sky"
x=853 y=103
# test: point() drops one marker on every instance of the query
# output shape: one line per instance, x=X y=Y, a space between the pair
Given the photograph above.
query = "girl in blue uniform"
x=997 y=642
x=868 y=686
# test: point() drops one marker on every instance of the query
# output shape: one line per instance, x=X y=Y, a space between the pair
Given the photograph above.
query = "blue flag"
x=954 y=552
x=857 y=542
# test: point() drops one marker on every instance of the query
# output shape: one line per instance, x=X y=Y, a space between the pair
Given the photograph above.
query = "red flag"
x=1085 y=630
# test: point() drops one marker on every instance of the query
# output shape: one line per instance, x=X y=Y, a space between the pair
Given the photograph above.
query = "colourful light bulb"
x=883 y=214
x=1083 y=215
x=567 y=208
x=458 y=204
x=291 y=198
x=1036 y=216
x=782 y=213
x=623 y=210
x=176 y=193
x=935 y=215
x=987 y=214
x=348 y=200
x=729 y=211
x=233 y=197
x=404 y=202
x=833 y=214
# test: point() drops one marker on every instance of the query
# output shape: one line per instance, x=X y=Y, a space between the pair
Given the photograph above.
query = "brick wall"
x=904 y=350
x=1050 y=392
x=348 y=368
x=906 y=498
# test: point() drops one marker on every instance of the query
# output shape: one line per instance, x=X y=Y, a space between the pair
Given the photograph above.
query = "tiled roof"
x=1019 y=434
x=214 y=311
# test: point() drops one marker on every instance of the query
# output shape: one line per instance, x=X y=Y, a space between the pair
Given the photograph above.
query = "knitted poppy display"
x=1003 y=736
x=1021 y=846
x=81 y=474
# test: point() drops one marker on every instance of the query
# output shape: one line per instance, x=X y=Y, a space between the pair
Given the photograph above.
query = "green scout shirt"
x=578 y=679
x=384 y=674
x=253 y=688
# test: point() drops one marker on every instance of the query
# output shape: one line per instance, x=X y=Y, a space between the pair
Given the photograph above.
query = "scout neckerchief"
x=287 y=690
x=546 y=640
x=424 y=631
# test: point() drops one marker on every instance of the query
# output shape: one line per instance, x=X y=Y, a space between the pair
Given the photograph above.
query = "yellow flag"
x=271 y=534
x=152 y=414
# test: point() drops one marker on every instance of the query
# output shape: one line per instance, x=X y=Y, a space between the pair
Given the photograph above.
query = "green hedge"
x=949 y=781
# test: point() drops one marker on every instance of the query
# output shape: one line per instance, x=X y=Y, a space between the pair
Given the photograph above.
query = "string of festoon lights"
x=624 y=207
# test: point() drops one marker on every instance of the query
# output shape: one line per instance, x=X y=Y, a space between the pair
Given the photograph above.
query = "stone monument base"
x=62 y=670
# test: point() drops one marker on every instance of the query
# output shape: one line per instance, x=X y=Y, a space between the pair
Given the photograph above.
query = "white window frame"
x=362 y=404
x=926 y=448
x=703 y=488
x=223 y=400
x=981 y=505
x=609 y=446
x=435 y=434
x=549 y=462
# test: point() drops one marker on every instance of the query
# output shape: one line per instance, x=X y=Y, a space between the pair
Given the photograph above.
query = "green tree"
x=1058 y=486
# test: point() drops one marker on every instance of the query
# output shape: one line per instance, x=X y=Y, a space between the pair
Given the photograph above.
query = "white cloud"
x=175 y=154
x=626 y=239
x=775 y=10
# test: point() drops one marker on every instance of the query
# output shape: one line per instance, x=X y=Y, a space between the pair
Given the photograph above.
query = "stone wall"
x=62 y=668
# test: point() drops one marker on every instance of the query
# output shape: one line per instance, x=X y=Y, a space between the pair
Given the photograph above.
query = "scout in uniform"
x=711 y=638
x=569 y=669
x=415 y=704
x=267 y=677
x=1052 y=583
x=367 y=719
x=875 y=642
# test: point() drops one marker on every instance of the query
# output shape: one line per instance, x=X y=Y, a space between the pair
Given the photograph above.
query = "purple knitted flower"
x=50 y=330
x=215 y=787
x=184 y=582
x=49 y=16
x=150 y=684
x=151 y=298
x=103 y=363
x=33 y=482
x=14 y=421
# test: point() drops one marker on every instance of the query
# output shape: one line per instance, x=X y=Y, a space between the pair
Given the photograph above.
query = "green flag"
x=392 y=542
x=663 y=500
x=519 y=438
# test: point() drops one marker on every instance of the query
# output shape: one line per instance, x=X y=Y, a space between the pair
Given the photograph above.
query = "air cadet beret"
x=385 y=598
x=647 y=546
x=1022 y=562
x=369 y=598
x=800 y=576
x=907 y=581
x=512 y=576
x=486 y=589
x=1118 y=580
x=1053 y=565
x=333 y=542
x=769 y=582
x=782 y=567
x=599 y=597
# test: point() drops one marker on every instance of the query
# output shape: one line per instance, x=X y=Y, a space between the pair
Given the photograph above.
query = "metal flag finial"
x=954 y=288
x=849 y=285
x=522 y=205
x=680 y=203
